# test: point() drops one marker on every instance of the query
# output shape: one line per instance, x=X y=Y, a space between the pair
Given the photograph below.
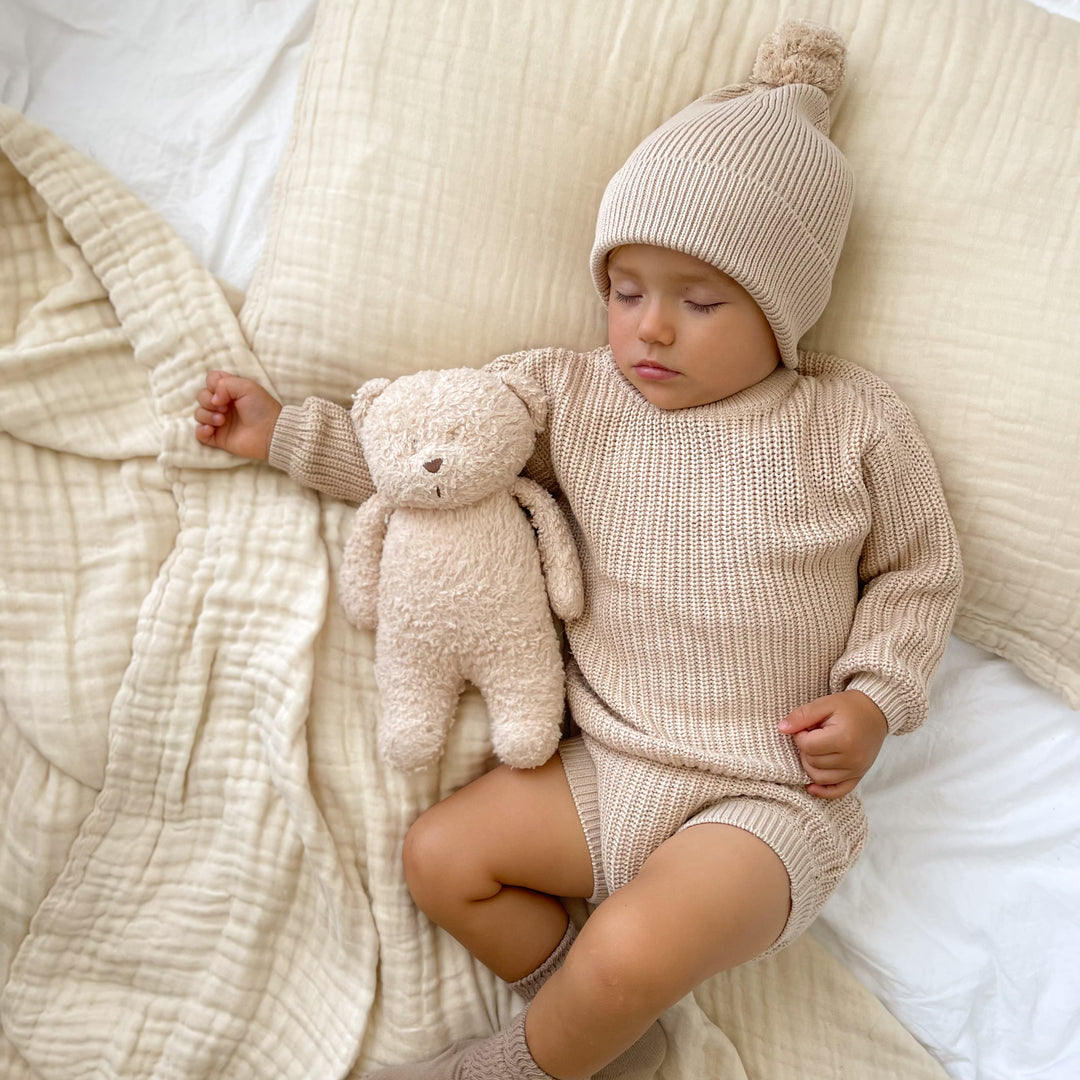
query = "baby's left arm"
x=910 y=576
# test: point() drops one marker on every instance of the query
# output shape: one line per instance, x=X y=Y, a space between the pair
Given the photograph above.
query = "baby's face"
x=681 y=331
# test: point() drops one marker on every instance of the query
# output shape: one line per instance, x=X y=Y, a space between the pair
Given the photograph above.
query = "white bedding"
x=963 y=915
x=189 y=103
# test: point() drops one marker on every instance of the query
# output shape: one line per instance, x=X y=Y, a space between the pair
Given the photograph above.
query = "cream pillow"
x=437 y=205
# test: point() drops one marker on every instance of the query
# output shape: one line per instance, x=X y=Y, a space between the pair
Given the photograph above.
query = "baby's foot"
x=505 y=1056
x=502 y=1056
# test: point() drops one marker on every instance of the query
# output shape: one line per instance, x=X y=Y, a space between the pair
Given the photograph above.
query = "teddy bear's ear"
x=363 y=398
x=531 y=394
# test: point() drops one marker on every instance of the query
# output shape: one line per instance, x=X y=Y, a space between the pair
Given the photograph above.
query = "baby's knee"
x=426 y=858
x=615 y=959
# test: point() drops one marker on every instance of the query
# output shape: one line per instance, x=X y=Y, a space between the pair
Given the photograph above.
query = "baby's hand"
x=838 y=738
x=236 y=415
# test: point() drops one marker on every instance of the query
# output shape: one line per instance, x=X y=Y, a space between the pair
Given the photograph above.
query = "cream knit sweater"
x=740 y=558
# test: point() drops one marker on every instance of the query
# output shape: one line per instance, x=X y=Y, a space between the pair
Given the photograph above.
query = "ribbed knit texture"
x=747 y=180
x=740 y=558
x=528 y=986
x=338 y=469
x=630 y=805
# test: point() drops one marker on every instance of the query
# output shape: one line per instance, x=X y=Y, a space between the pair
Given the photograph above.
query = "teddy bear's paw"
x=566 y=595
x=360 y=610
x=523 y=747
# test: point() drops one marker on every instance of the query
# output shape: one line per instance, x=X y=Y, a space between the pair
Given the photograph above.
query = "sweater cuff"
x=891 y=699
x=286 y=437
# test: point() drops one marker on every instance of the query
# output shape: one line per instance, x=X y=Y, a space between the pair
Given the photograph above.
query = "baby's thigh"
x=706 y=900
x=509 y=827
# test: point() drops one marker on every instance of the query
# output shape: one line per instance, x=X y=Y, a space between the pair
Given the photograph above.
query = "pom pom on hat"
x=801 y=52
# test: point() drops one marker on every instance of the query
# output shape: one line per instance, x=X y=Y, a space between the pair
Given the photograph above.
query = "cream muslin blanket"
x=199 y=852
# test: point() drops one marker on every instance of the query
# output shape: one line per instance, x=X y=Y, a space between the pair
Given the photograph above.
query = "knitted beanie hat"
x=747 y=180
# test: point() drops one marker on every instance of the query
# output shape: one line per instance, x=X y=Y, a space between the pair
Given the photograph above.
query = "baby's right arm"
x=237 y=415
x=315 y=443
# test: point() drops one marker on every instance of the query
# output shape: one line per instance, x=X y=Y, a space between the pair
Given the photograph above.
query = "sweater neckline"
x=758 y=398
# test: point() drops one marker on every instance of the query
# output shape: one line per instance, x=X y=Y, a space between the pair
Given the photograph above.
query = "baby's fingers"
x=223 y=388
x=206 y=434
x=206 y=416
x=209 y=403
x=830 y=776
x=832 y=791
x=214 y=378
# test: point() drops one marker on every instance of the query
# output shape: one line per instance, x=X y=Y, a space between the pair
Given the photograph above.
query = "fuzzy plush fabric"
x=450 y=573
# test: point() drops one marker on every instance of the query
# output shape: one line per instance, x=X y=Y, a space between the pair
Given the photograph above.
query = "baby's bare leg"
x=488 y=863
x=708 y=899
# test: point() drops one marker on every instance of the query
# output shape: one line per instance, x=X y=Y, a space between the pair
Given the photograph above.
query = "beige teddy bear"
x=444 y=564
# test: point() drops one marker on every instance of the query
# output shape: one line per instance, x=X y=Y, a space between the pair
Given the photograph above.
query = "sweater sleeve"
x=910 y=576
x=548 y=367
x=317 y=445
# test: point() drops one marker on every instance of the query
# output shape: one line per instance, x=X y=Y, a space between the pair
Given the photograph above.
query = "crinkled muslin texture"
x=438 y=206
x=173 y=899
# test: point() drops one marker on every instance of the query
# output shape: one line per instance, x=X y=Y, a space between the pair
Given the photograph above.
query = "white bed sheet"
x=962 y=915
x=188 y=102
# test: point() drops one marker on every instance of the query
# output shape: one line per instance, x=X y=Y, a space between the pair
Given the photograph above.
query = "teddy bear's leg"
x=523 y=689
x=419 y=700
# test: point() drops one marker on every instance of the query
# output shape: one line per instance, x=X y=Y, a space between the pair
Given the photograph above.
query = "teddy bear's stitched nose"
x=434 y=465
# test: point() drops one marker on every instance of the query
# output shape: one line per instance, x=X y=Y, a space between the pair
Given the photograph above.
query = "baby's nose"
x=434 y=465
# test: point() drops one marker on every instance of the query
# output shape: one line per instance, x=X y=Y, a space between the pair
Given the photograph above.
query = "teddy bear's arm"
x=558 y=552
x=358 y=584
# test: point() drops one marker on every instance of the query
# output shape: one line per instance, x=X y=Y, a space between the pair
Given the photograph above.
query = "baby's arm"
x=315 y=443
x=910 y=576
x=237 y=415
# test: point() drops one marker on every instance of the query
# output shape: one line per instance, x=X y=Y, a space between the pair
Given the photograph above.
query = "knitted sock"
x=502 y=1056
x=638 y=1062
x=528 y=986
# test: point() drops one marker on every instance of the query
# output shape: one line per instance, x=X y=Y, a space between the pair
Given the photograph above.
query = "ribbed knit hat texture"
x=747 y=180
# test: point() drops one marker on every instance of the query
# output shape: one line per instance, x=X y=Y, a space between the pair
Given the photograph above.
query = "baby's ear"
x=363 y=398
x=531 y=394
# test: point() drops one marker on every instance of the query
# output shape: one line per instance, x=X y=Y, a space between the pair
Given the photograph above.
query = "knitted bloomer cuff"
x=773 y=823
x=581 y=775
